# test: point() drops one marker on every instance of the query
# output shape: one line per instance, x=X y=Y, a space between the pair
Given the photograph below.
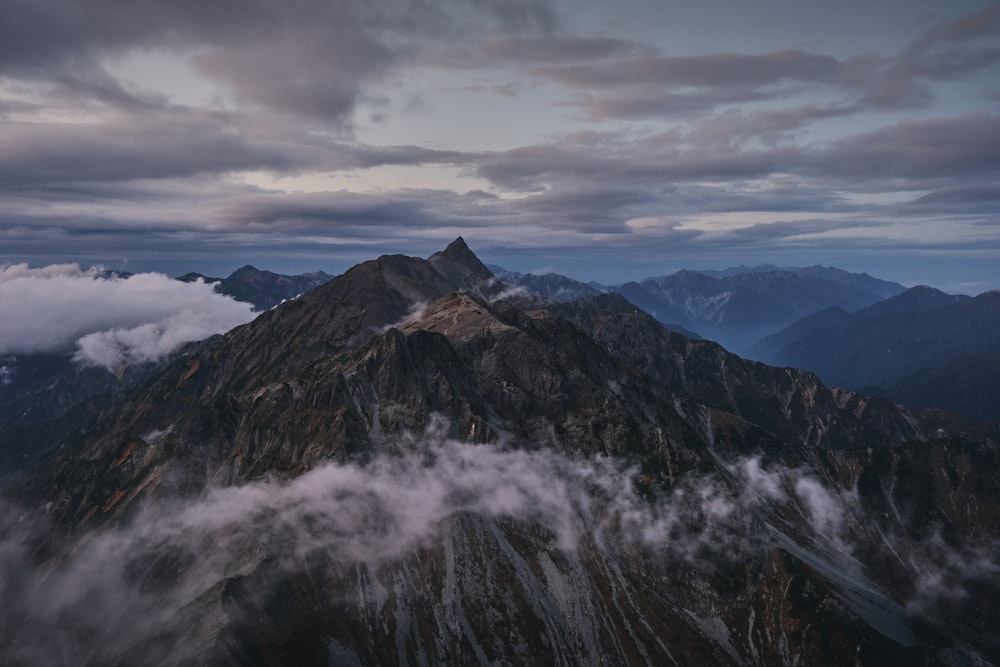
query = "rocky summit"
x=414 y=464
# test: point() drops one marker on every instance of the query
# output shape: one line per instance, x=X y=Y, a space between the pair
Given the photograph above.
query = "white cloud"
x=108 y=321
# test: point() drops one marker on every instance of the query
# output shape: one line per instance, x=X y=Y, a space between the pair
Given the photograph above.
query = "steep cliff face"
x=393 y=469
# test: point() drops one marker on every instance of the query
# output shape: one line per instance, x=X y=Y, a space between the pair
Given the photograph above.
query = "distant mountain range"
x=919 y=346
x=738 y=308
x=862 y=281
x=415 y=463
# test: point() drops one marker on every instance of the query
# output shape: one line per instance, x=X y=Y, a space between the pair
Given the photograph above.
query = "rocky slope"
x=396 y=468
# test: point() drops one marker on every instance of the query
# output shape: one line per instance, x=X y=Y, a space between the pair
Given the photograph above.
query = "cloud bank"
x=108 y=321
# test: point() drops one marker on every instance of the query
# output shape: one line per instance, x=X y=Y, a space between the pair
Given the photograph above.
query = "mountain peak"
x=245 y=271
x=458 y=244
x=457 y=251
x=460 y=266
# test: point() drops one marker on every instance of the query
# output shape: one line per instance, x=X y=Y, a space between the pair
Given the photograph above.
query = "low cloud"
x=108 y=321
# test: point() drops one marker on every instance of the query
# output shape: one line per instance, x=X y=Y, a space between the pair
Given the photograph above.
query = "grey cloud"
x=152 y=147
x=978 y=199
x=549 y=50
x=311 y=58
x=792 y=228
x=641 y=101
x=722 y=69
x=984 y=23
x=601 y=209
x=643 y=83
x=557 y=49
x=918 y=152
x=168 y=145
x=335 y=212
x=946 y=51
x=734 y=128
x=532 y=167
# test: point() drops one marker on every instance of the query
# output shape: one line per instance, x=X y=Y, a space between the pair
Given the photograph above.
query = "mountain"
x=40 y=392
x=408 y=465
x=914 y=300
x=862 y=281
x=264 y=289
x=42 y=396
x=741 y=308
x=559 y=288
x=968 y=384
x=917 y=347
x=769 y=348
x=550 y=285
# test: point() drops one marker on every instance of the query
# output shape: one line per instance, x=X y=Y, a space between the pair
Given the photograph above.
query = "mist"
x=95 y=596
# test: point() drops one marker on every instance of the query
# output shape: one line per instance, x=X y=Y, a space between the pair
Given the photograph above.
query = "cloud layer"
x=108 y=320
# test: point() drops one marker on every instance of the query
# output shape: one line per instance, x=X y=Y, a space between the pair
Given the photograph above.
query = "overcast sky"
x=606 y=141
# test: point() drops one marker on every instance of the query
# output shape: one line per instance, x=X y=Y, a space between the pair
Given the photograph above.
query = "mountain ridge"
x=608 y=491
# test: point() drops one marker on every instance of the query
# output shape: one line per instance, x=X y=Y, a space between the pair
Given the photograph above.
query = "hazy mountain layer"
x=923 y=347
x=739 y=308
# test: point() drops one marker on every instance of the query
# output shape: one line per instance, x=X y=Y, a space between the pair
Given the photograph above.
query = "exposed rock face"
x=404 y=472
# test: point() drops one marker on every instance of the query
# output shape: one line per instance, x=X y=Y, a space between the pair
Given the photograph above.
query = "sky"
x=605 y=141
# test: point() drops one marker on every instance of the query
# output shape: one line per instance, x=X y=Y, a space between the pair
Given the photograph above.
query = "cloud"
x=169 y=145
x=652 y=85
x=108 y=320
x=549 y=50
x=915 y=154
x=948 y=50
x=154 y=147
x=91 y=162
x=313 y=58
x=719 y=69
x=771 y=231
